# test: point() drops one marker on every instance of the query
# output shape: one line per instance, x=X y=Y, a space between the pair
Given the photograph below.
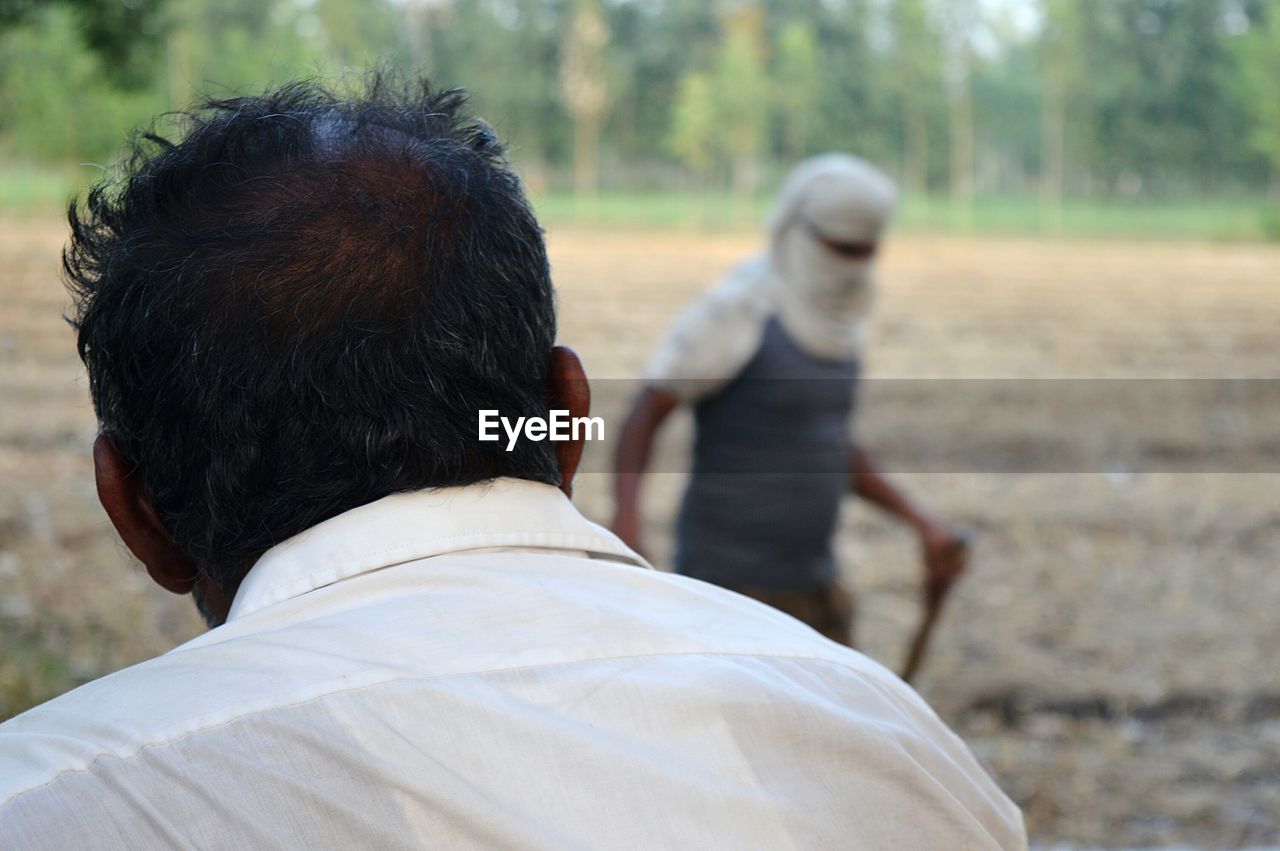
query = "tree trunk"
x=962 y=150
x=744 y=184
x=1054 y=143
x=586 y=156
x=916 y=153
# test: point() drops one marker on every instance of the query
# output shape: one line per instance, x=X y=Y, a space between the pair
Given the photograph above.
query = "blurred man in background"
x=769 y=360
x=291 y=319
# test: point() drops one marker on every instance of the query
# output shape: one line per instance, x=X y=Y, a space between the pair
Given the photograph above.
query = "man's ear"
x=121 y=494
x=569 y=391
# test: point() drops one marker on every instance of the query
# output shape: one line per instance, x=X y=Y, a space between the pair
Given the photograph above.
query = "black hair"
x=301 y=306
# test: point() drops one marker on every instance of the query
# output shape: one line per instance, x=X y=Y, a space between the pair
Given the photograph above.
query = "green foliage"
x=233 y=46
x=1258 y=87
x=798 y=81
x=693 y=123
x=857 y=106
x=56 y=101
x=1126 y=99
x=584 y=89
x=354 y=36
x=740 y=85
x=1156 y=85
x=916 y=80
x=724 y=114
x=125 y=36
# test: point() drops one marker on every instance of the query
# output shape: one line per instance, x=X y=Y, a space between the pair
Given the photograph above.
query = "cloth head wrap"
x=823 y=299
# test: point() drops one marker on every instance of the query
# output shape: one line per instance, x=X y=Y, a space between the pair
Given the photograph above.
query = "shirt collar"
x=411 y=526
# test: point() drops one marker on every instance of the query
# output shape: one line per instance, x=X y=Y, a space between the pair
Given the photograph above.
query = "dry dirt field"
x=1113 y=656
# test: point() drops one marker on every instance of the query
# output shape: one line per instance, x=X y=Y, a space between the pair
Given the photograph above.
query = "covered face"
x=830 y=214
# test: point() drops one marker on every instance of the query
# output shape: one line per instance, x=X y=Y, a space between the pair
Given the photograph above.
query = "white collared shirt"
x=482 y=667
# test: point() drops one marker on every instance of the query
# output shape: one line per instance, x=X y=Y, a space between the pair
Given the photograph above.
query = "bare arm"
x=868 y=482
x=943 y=550
x=651 y=409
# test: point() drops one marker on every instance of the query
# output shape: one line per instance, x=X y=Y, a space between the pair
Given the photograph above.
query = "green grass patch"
x=653 y=211
x=36 y=189
x=1213 y=219
x=1216 y=219
x=28 y=189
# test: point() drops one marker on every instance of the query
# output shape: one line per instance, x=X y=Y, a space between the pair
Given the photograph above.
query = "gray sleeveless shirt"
x=770 y=466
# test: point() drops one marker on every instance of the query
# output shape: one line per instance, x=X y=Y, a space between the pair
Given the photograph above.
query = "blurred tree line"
x=1064 y=98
